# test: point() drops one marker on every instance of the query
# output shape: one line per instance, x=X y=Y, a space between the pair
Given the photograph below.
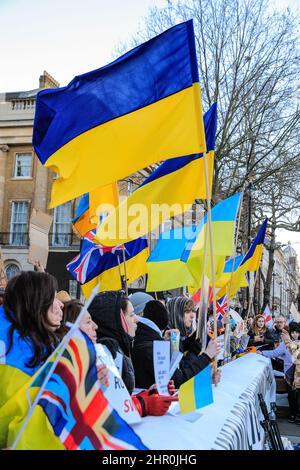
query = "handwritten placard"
x=116 y=393
x=161 y=360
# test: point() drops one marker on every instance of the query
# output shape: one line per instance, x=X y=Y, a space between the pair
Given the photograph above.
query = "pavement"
x=290 y=430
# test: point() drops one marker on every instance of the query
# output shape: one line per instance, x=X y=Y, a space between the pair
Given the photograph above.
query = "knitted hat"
x=156 y=312
x=139 y=300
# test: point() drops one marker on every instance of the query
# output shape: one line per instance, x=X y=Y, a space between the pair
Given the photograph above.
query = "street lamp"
x=280 y=284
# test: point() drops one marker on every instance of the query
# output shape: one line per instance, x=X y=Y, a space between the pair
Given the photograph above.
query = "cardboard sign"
x=39 y=227
x=161 y=361
x=116 y=393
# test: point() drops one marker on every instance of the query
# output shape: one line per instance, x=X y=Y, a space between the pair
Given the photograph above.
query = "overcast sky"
x=71 y=37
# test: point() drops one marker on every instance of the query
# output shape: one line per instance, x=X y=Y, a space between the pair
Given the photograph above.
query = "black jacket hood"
x=105 y=311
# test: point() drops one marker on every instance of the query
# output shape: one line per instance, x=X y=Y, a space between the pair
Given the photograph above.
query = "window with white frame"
x=11 y=270
x=19 y=223
x=23 y=165
x=61 y=225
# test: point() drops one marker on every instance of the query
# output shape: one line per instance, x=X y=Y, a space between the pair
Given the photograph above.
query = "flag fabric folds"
x=165 y=269
x=268 y=316
x=196 y=392
x=77 y=409
x=87 y=214
x=175 y=184
x=222 y=307
x=142 y=108
x=224 y=217
x=250 y=262
x=97 y=263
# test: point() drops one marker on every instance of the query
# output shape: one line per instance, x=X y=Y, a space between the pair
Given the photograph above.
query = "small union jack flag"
x=90 y=262
x=222 y=307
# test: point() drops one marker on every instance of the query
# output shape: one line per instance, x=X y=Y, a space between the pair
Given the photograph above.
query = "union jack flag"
x=93 y=259
x=79 y=413
x=222 y=307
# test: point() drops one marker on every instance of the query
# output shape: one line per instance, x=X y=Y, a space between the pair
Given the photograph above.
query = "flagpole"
x=120 y=273
x=202 y=284
x=252 y=294
x=235 y=245
x=125 y=271
x=60 y=348
x=213 y=277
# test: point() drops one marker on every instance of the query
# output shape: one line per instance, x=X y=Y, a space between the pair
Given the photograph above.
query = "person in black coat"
x=150 y=328
x=117 y=323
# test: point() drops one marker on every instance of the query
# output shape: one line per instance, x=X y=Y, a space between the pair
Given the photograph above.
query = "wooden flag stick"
x=252 y=294
x=202 y=300
x=125 y=272
x=60 y=350
x=235 y=246
x=212 y=260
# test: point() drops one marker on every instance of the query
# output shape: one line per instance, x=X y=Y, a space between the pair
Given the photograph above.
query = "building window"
x=11 y=271
x=19 y=223
x=61 y=225
x=23 y=165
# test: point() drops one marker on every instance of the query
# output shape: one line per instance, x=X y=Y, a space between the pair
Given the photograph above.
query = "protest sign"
x=161 y=361
x=116 y=392
x=39 y=227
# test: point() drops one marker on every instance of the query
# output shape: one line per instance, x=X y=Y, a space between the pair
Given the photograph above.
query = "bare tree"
x=249 y=64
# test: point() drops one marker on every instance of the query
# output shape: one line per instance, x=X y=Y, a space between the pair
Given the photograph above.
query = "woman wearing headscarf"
x=117 y=323
x=182 y=314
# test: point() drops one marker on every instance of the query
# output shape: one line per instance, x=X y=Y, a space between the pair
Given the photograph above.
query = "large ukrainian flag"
x=165 y=269
x=142 y=108
x=223 y=217
x=174 y=186
x=250 y=262
x=16 y=379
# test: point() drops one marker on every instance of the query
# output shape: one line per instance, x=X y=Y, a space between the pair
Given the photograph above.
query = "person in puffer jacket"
x=117 y=324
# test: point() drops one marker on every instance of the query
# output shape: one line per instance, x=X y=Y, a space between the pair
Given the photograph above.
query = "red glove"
x=154 y=404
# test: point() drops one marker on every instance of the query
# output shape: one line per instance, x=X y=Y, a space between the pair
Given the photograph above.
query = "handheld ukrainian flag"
x=165 y=269
x=88 y=213
x=196 y=392
x=250 y=262
x=142 y=108
x=173 y=187
x=226 y=275
x=224 y=217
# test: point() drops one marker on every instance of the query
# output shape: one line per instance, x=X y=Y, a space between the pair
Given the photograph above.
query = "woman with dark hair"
x=29 y=319
x=30 y=316
x=259 y=334
x=117 y=323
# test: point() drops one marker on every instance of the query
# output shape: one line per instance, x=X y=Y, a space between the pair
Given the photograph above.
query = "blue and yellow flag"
x=223 y=217
x=172 y=187
x=250 y=262
x=226 y=274
x=143 y=108
x=88 y=213
x=165 y=269
x=16 y=378
x=196 y=392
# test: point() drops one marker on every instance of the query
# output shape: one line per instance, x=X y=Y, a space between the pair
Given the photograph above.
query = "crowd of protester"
x=36 y=317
